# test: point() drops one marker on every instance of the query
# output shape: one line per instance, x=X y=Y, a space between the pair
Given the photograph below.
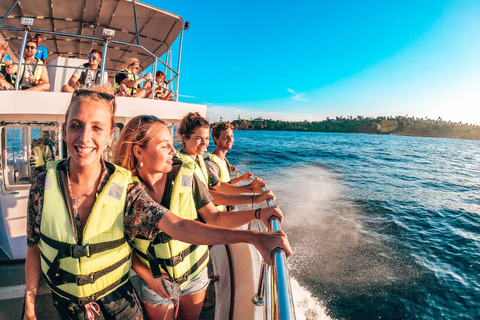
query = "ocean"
x=382 y=226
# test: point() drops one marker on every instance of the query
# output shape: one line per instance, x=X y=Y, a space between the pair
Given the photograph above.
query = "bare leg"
x=159 y=311
x=191 y=306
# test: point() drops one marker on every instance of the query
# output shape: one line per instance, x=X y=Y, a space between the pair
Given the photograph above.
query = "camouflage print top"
x=141 y=212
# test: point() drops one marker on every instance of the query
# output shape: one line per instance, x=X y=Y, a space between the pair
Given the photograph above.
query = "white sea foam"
x=306 y=306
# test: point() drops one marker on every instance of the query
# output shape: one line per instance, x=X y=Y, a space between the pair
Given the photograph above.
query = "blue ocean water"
x=382 y=227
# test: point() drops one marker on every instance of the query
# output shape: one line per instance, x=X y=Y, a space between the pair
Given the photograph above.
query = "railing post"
x=104 y=58
x=20 y=59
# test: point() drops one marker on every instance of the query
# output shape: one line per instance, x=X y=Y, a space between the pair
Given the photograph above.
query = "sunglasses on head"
x=30 y=47
x=92 y=57
x=83 y=92
x=149 y=119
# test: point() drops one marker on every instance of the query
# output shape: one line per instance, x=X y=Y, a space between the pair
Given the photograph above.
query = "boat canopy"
x=74 y=28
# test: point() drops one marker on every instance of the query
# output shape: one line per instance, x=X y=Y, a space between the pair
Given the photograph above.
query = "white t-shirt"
x=90 y=78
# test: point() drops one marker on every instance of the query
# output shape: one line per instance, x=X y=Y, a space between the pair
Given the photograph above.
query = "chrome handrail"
x=274 y=289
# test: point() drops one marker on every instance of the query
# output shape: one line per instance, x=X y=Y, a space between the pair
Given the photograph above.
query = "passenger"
x=194 y=132
x=37 y=157
x=217 y=163
x=84 y=75
x=161 y=87
x=78 y=225
x=3 y=57
x=33 y=75
x=145 y=148
x=127 y=82
x=42 y=53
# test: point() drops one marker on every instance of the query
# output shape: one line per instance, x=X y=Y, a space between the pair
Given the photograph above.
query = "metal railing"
x=274 y=290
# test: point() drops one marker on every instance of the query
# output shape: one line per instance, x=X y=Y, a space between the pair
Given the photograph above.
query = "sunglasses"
x=83 y=92
x=149 y=119
x=92 y=57
x=30 y=47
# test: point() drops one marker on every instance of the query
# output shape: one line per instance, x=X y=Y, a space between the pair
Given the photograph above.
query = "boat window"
x=20 y=142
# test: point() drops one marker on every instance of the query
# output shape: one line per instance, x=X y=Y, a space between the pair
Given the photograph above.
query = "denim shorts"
x=197 y=285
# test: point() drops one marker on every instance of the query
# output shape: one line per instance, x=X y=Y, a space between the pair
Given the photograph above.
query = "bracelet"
x=257 y=213
x=30 y=289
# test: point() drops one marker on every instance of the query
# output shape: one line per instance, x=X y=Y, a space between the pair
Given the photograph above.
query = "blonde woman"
x=145 y=148
x=127 y=82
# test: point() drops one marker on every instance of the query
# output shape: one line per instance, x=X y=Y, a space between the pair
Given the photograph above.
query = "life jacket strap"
x=65 y=277
x=67 y=250
x=83 y=301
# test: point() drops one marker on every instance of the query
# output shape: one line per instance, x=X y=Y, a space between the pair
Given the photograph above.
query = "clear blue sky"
x=312 y=59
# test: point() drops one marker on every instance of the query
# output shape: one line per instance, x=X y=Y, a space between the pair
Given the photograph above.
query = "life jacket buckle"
x=182 y=279
x=78 y=251
x=83 y=301
x=176 y=260
x=82 y=280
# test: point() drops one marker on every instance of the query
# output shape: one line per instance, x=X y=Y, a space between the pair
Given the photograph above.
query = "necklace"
x=80 y=197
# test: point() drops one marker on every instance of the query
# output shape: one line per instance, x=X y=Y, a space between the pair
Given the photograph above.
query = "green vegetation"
x=407 y=126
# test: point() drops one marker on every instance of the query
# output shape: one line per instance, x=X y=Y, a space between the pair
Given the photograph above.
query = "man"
x=87 y=74
x=216 y=162
x=42 y=52
x=33 y=74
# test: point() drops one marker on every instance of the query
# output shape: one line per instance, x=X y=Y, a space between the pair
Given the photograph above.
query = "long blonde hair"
x=137 y=132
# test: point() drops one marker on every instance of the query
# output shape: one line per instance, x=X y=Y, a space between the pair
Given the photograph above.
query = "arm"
x=195 y=232
x=32 y=275
x=10 y=68
x=41 y=84
x=233 y=219
x=247 y=176
x=73 y=82
x=233 y=189
x=146 y=274
x=234 y=199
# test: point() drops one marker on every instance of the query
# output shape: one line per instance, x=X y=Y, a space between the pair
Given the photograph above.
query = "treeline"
x=409 y=126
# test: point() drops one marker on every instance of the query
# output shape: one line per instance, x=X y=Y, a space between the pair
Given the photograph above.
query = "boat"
x=120 y=29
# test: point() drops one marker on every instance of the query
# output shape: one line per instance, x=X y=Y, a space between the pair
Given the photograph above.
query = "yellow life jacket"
x=37 y=72
x=182 y=261
x=131 y=77
x=84 y=270
x=224 y=167
x=199 y=167
x=40 y=161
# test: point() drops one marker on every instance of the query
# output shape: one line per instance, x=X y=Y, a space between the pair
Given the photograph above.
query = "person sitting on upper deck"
x=84 y=75
x=42 y=52
x=127 y=82
x=3 y=58
x=161 y=87
x=33 y=74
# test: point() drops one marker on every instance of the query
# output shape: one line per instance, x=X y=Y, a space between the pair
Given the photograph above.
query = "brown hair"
x=138 y=131
x=34 y=40
x=190 y=122
x=219 y=127
x=102 y=94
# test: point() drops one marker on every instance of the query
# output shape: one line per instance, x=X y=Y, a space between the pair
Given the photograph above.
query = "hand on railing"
x=271 y=242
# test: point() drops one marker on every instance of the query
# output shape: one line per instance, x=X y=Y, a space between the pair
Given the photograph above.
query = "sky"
x=313 y=59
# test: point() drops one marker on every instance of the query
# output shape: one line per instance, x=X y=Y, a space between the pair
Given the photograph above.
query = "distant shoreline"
x=403 y=126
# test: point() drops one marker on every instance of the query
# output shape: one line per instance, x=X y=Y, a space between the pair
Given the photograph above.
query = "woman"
x=194 y=131
x=127 y=82
x=81 y=213
x=145 y=148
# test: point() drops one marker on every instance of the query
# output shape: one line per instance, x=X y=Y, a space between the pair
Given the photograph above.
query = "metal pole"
x=154 y=71
x=179 y=62
x=20 y=60
x=8 y=12
x=136 y=23
x=102 y=68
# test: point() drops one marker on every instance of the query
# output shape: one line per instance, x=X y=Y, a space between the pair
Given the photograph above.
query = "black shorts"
x=121 y=304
